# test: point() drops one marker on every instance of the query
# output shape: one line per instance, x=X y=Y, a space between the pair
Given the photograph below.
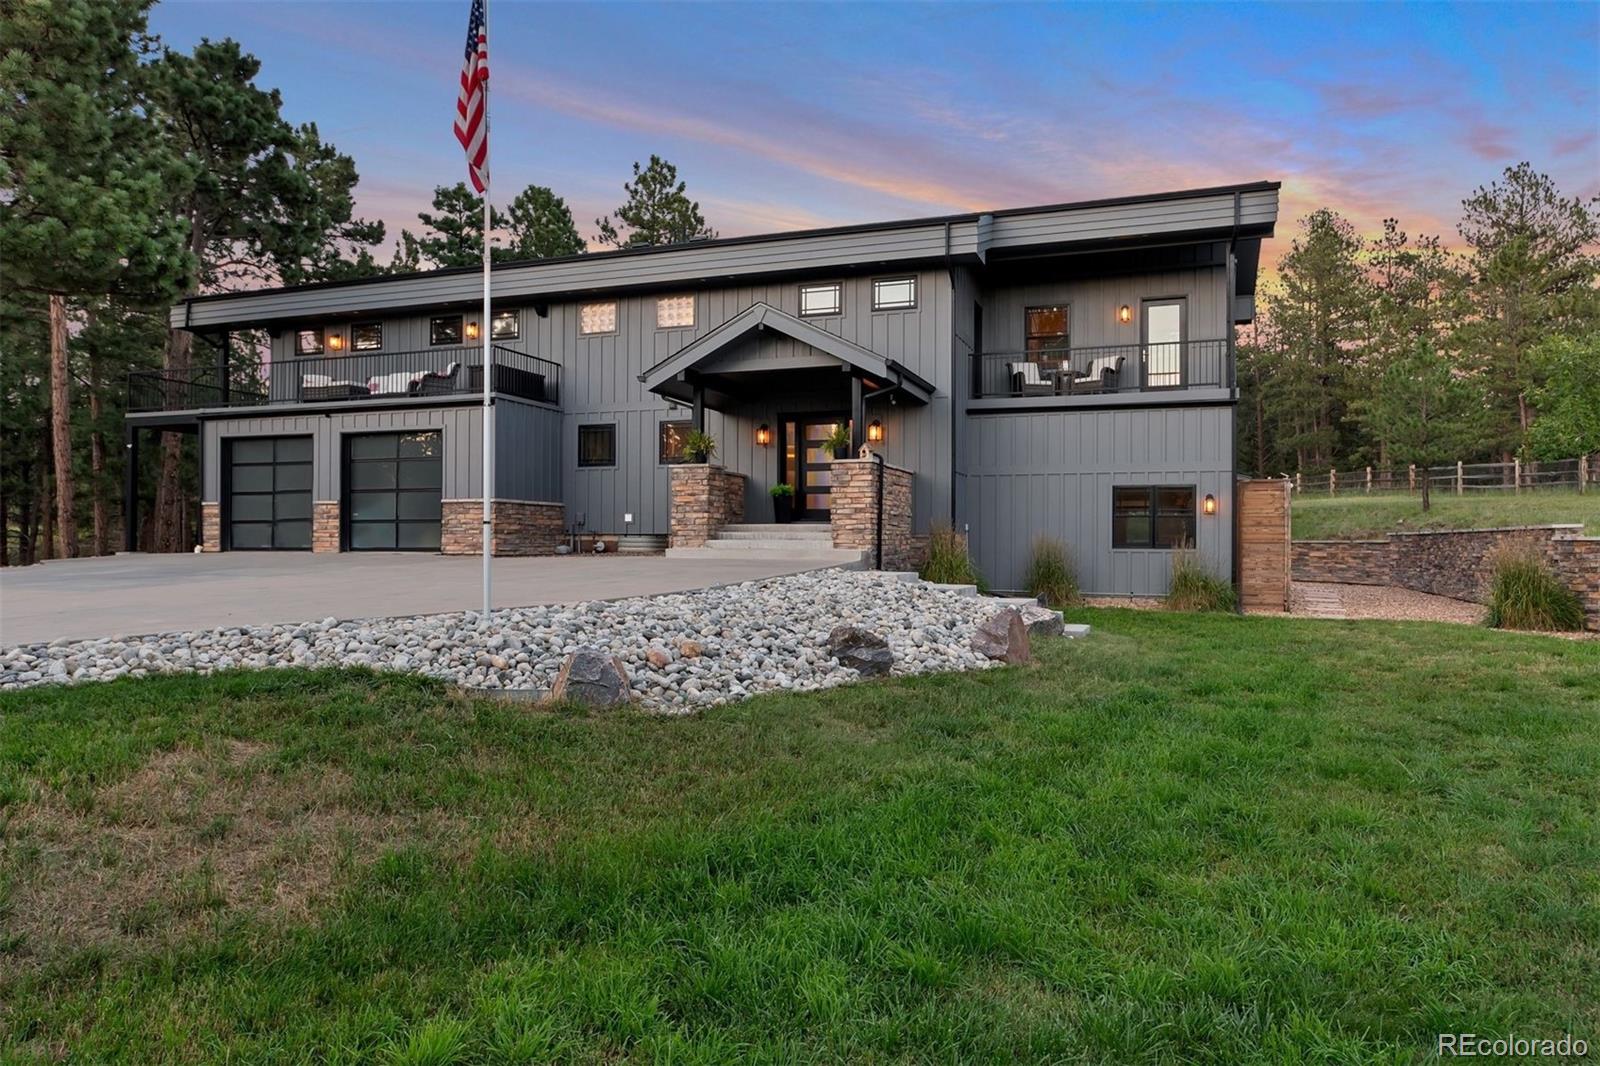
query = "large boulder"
x=1004 y=636
x=592 y=678
x=1042 y=621
x=862 y=649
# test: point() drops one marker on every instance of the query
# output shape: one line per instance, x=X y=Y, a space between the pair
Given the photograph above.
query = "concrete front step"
x=774 y=527
x=805 y=536
x=816 y=558
x=757 y=544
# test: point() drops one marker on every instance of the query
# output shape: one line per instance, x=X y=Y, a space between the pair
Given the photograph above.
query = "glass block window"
x=674 y=312
x=822 y=299
x=894 y=294
x=599 y=317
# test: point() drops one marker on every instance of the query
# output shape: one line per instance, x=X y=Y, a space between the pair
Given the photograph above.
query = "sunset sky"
x=801 y=115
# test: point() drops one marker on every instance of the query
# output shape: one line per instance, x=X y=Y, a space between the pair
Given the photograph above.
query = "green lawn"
x=1360 y=515
x=1186 y=839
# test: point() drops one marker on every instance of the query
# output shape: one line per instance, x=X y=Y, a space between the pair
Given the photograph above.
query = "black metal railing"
x=1102 y=369
x=355 y=377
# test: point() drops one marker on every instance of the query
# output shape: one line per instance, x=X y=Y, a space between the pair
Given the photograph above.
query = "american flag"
x=472 y=126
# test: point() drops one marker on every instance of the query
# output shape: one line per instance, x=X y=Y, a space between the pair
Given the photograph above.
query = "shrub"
x=1194 y=588
x=1050 y=573
x=782 y=488
x=838 y=441
x=947 y=559
x=699 y=447
x=1524 y=594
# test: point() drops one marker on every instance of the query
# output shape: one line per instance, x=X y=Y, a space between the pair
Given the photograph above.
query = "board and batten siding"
x=1052 y=473
x=1093 y=304
x=525 y=431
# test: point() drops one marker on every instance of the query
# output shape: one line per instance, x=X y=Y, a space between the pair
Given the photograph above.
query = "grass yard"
x=1360 y=515
x=1187 y=839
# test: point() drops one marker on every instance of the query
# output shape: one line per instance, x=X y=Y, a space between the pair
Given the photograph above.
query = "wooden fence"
x=1581 y=474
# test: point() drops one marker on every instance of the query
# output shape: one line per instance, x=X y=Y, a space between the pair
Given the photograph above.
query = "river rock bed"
x=681 y=652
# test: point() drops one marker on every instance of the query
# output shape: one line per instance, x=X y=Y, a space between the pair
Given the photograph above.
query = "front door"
x=814 y=470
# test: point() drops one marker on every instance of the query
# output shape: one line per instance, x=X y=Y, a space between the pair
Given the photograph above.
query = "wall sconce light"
x=763 y=435
x=875 y=432
x=1124 y=314
x=336 y=342
x=472 y=331
x=1210 y=505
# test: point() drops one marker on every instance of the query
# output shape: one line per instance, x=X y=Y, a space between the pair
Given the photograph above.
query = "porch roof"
x=677 y=375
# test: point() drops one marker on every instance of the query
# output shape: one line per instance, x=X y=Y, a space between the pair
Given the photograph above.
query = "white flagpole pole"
x=485 y=328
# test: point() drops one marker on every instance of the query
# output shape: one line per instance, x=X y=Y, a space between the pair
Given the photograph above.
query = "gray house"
x=1064 y=370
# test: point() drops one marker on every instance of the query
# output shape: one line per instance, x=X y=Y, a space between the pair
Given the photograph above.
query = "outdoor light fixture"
x=336 y=342
x=875 y=431
x=763 y=435
x=472 y=331
x=1211 y=504
x=1124 y=314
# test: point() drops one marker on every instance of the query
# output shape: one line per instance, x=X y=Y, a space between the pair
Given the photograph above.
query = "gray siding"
x=1052 y=473
x=1094 y=303
x=527 y=462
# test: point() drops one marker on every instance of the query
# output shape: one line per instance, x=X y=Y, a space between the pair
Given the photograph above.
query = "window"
x=1152 y=516
x=444 y=329
x=597 y=445
x=670 y=446
x=674 y=312
x=1047 y=330
x=505 y=326
x=598 y=317
x=894 y=294
x=366 y=337
x=309 y=341
x=822 y=299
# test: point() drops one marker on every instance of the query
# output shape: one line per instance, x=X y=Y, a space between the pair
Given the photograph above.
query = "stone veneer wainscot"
x=705 y=497
x=853 y=504
x=521 y=527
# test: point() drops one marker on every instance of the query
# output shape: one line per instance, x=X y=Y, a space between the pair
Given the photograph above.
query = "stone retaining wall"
x=853 y=511
x=705 y=497
x=1457 y=563
x=521 y=527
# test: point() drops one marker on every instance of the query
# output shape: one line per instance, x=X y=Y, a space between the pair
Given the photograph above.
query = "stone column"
x=704 y=498
x=211 y=527
x=853 y=510
x=325 y=526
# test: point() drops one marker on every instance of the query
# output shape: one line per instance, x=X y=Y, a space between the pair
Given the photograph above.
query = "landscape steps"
x=795 y=542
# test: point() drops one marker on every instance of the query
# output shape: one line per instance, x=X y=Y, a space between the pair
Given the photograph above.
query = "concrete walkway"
x=129 y=595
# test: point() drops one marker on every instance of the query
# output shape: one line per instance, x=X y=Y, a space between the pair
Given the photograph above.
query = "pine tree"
x=540 y=225
x=658 y=211
x=1427 y=411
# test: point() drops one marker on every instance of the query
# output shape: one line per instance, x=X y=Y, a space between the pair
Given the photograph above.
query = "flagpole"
x=485 y=329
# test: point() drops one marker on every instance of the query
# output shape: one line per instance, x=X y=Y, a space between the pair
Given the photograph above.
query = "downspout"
x=878 y=525
x=1233 y=407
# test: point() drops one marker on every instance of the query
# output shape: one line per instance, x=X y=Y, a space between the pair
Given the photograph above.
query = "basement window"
x=1152 y=516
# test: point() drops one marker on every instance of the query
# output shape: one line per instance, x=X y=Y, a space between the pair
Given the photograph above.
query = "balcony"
x=352 y=379
x=1109 y=370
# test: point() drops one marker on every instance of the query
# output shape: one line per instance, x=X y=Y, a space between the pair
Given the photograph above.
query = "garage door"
x=268 y=502
x=393 y=485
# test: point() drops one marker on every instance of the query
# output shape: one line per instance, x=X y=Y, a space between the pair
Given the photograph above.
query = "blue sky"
x=805 y=114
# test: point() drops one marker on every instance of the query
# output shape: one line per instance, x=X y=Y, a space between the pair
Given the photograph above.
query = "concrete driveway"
x=128 y=595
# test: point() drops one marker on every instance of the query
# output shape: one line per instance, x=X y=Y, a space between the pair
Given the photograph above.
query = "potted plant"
x=782 y=502
x=838 y=442
x=698 y=447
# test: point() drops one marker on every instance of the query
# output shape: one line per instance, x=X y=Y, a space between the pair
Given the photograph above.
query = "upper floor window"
x=505 y=326
x=444 y=329
x=822 y=299
x=599 y=317
x=894 y=294
x=308 y=341
x=366 y=337
x=1152 y=516
x=1047 y=329
x=597 y=444
x=674 y=312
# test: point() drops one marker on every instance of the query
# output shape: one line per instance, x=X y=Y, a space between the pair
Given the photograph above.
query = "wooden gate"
x=1263 y=538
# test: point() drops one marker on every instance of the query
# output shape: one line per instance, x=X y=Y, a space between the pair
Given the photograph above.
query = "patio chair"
x=1026 y=380
x=1102 y=375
